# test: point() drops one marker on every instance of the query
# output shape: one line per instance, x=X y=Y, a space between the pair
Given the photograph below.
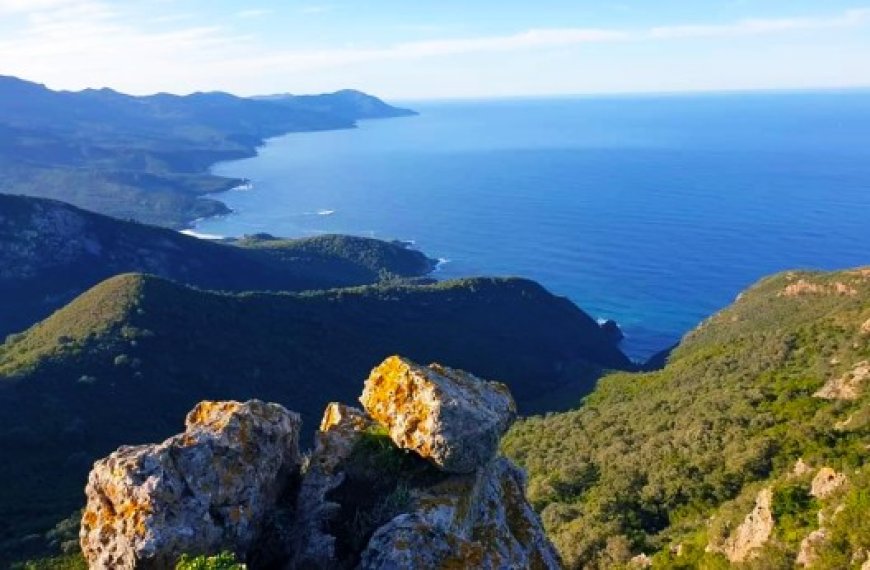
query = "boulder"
x=205 y=490
x=480 y=521
x=450 y=417
x=826 y=482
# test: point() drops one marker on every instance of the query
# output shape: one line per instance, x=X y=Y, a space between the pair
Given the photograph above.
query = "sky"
x=434 y=49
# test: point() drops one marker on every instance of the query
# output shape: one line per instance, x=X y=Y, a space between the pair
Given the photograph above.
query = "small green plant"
x=222 y=561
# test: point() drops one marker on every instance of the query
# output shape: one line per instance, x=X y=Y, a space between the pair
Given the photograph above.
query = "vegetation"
x=147 y=158
x=648 y=459
x=222 y=561
x=123 y=362
x=50 y=252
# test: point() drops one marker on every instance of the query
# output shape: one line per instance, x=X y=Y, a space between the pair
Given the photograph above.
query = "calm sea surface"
x=653 y=211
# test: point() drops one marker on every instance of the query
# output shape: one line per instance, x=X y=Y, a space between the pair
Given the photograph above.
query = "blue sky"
x=419 y=49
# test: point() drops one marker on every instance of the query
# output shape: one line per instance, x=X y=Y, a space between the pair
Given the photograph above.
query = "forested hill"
x=751 y=447
x=50 y=252
x=147 y=158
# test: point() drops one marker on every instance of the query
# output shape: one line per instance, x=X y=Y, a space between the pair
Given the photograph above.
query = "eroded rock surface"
x=753 y=532
x=826 y=482
x=447 y=416
x=846 y=387
x=469 y=521
x=202 y=491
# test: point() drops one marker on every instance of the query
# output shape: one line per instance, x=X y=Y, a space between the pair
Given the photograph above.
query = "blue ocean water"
x=654 y=211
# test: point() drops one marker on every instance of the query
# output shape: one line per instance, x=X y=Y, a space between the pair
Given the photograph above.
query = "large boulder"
x=450 y=417
x=205 y=490
x=480 y=521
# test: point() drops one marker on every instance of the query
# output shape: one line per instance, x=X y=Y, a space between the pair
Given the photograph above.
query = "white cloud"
x=79 y=43
x=30 y=6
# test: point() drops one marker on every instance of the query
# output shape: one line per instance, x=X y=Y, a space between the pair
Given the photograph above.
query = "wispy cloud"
x=77 y=43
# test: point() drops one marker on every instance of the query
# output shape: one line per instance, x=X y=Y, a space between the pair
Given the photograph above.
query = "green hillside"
x=51 y=251
x=124 y=361
x=666 y=463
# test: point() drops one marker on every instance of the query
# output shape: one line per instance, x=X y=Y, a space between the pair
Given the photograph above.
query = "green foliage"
x=794 y=511
x=649 y=458
x=222 y=561
x=65 y=562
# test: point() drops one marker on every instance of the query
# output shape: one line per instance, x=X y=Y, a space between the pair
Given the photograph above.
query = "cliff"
x=412 y=482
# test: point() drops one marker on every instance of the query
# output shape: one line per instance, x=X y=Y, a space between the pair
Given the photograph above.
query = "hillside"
x=147 y=158
x=125 y=360
x=50 y=252
x=762 y=409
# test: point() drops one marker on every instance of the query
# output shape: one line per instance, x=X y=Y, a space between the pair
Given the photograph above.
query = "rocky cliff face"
x=413 y=481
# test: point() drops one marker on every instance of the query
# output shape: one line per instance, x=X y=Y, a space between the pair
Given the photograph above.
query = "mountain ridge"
x=51 y=251
x=148 y=158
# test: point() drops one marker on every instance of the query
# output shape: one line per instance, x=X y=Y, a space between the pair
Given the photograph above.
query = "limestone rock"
x=848 y=386
x=800 y=468
x=753 y=532
x=826 y=482
x=641 y=561
x=313 y=544
x=447 y=416
x=865 y=328
x=809 y=546
x=480 y=521
x=204 y=490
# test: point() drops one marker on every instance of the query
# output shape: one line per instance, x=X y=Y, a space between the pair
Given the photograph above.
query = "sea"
x=654 y=211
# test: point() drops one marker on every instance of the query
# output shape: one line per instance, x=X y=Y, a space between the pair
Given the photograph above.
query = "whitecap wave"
x=200 y=235
x=440 y=263
x=325 y=212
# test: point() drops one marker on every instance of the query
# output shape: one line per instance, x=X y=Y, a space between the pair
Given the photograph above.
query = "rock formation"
x=415 y=481
x=826 y=482
x=204 y=490
x=846 y=387
x=753 y=532
x=448 y=416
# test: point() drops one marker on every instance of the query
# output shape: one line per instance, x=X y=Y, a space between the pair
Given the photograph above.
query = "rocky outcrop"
x=808 y=552
x=826 y=482
x=846 y=387
x=421 y=488
x=204 y=490
x=447 y=416
x=753 y=532
x=479 y=521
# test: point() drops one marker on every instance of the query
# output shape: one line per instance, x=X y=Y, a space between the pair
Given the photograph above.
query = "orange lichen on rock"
x=204 y=490
x=447 y=416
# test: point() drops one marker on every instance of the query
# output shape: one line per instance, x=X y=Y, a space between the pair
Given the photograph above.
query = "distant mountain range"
x=50 y=252
x=147 y=158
